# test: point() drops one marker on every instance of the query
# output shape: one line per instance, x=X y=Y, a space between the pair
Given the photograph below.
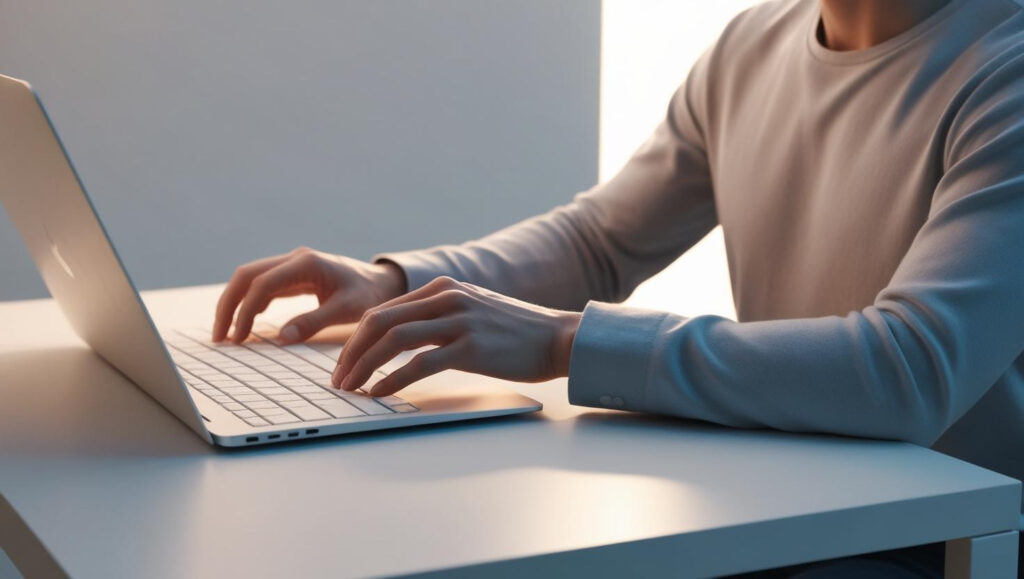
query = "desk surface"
x=135 y=493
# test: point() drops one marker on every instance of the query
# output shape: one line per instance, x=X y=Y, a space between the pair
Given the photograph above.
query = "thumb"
x=303 y=326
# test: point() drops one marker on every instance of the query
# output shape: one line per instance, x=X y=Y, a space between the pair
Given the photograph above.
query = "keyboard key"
x=200 y=385
x=292 y=404
x=307 y=369
x=262 y=404
x=248 y=397
x=310 y=413
x=307 y=389
x=282 y=398
x=236 y=390
x=404 y=408
x=391 y=401
x=276 y=391
x=268 y=412
x=246 y=414
x=281 y=374
x=264 y=364
x=339 y=408
x=257 y=422
x=282 y=419
x=234 y=406
x=321 y=395
x=324 y=382
x=213 y=358
x=367 y=404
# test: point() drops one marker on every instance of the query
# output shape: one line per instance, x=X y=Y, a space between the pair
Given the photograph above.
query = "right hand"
x=346 y=288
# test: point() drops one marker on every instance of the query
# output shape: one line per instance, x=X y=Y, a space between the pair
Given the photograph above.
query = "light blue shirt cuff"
x=610 y=356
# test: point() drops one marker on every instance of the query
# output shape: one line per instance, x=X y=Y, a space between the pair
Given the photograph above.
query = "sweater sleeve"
x=610 y=238
x=947 y=326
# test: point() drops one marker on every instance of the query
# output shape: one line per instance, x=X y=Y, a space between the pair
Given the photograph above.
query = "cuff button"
x=605 y=400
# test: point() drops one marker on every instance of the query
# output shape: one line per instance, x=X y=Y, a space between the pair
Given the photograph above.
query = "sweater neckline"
x=850 y=57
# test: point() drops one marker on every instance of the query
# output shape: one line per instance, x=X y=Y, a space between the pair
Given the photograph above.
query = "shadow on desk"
x=68 y=401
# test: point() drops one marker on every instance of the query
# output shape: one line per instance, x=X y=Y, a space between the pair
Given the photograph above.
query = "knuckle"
x=303 y=324
x=375 y=320
x=454 y=297
x=307 y=258
x=421 y=365
x=443 y=282
x=363 y=319
x=396 y=335
x=301 y=250
x=258 y=287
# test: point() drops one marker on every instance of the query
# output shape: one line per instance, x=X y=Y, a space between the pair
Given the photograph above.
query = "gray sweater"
x=873 y=210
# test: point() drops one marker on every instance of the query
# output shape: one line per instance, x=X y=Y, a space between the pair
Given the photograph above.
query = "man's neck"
x=860 y=24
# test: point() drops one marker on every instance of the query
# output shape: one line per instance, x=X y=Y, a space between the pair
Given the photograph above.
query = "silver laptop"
x=231 y=395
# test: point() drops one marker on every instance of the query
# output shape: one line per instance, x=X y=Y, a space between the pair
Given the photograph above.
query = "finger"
x=422 y=365
x=304 y=326
x=279 y=280
x=233 y=293
x=377 y=321
x=397 y=340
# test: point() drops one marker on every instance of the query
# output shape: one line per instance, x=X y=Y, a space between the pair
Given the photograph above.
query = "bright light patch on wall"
x=647 y=47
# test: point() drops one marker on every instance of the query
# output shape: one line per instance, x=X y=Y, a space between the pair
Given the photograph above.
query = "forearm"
x=555 y=260
x=868 y=374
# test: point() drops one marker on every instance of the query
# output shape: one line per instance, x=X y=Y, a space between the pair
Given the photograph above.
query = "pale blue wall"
x=210 y=133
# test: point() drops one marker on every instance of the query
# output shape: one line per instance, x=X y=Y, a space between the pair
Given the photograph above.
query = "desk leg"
x=21 y=547
x=992 y=556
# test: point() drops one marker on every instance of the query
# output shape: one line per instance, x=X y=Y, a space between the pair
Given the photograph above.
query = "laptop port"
x=273 y=436
x=251 y=438
x=292 y=434
x=312 y=431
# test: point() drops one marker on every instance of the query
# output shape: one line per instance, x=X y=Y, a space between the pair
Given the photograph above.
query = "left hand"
x=476 y=330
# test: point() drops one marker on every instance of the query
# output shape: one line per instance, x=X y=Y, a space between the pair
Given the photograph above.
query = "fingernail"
x=346 y=383
x=289 y=334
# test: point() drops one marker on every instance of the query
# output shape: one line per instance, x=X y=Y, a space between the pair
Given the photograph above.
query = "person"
x=865 y=159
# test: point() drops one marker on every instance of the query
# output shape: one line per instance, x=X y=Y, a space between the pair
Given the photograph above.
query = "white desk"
x=132 y=492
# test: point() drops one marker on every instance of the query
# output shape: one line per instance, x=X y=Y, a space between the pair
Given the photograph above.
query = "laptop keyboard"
x=266 y=384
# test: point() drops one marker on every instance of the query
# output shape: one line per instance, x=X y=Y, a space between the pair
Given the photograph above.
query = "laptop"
x=258 y=392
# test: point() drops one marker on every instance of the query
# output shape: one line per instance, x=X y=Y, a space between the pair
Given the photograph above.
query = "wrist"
x=391 y=280
x=567 y=324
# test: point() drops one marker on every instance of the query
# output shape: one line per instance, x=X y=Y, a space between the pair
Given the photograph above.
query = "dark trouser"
x=912 y=562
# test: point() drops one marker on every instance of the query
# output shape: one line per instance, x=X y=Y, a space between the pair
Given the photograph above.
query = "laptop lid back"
x=48 y=205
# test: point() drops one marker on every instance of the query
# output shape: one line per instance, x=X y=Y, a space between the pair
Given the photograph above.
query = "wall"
x=213 y=132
